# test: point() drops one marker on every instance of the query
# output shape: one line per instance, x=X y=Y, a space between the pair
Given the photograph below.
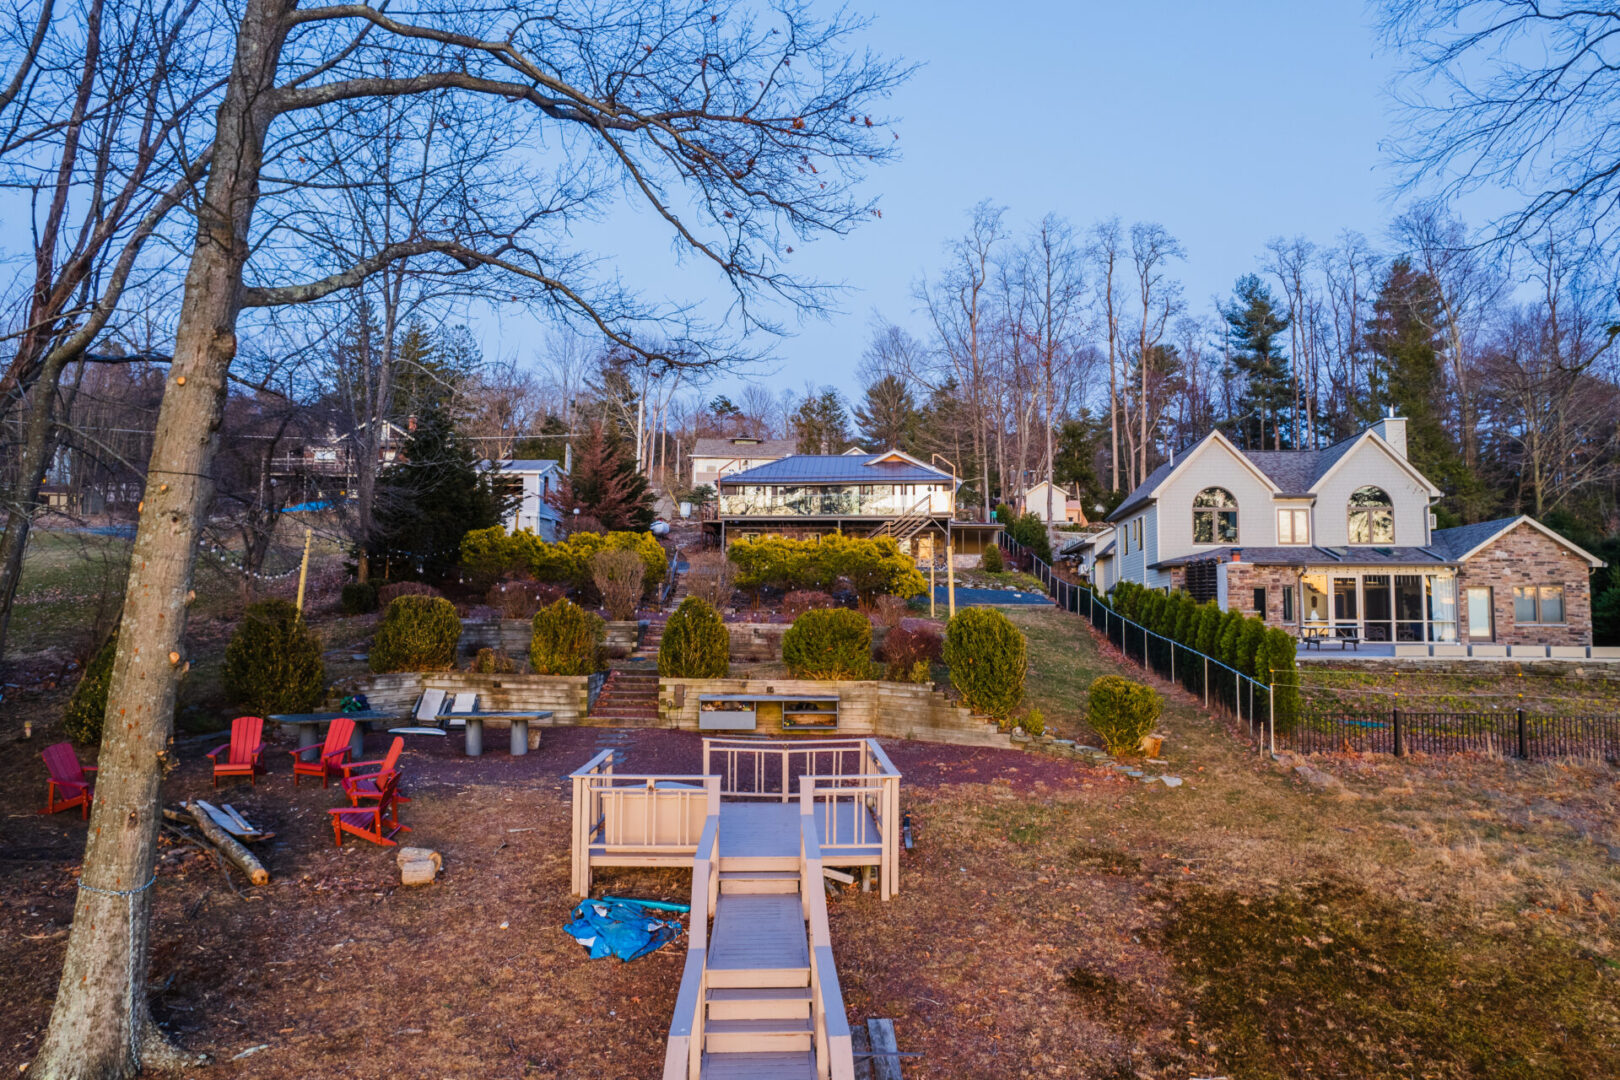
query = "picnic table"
x=518 y=739
x=309 y=727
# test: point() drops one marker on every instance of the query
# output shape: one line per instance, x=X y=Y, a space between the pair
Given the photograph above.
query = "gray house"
x=1342 y=542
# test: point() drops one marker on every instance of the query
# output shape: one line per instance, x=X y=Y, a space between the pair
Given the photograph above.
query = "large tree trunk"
x=100 y=1027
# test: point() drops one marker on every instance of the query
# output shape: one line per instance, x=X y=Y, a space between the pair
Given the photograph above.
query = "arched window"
x=1215 y=517
x=1372 y=516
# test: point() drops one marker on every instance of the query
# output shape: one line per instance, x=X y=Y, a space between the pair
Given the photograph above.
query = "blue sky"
x=1227 y=123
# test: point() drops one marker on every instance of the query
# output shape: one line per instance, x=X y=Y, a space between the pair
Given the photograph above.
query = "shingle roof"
x=529 y=465
x=1317 y=556
x=749 y=448
x=836 y=469
x=1458 y=541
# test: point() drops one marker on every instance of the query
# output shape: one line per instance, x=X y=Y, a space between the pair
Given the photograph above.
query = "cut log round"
x=229 y=846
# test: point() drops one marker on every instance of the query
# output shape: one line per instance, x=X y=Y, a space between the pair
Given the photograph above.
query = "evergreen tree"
x=433 y=496
x=1266 y=401
x=605 y=485
x=820 y=424
x=887 y=416
x=1409 y=378
x=1074 y=460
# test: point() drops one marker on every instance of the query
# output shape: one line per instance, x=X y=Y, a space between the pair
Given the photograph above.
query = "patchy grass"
x=1006 y=579
x=1493 y=686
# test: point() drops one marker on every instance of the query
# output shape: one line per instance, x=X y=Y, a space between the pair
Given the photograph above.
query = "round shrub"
x=1121 y=712
x=359 y=598
x=987 y=656
x=389 y=593
x=273 y=663
x=418 y=633
x=992 y=562
x=88 y=707
x=905 y=648
x=830 y=643
x=1033 y=723
x=696 y=643
x=567 y=640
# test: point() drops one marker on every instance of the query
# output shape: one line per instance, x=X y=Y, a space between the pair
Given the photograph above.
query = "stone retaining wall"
x=868 y=707
x=567 y=697
x=511 y=636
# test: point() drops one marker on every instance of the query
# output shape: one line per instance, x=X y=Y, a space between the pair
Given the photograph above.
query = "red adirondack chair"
x=67 y=776
x=367 y=786
x=246 y=748
x=331 y=756
x=377 y=822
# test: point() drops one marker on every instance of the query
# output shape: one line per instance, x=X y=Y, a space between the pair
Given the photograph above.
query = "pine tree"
x=432 y=497
x=605 y=485
x=820 y=424
x=1266 y=401
x=887 y=417
x=1074 y=462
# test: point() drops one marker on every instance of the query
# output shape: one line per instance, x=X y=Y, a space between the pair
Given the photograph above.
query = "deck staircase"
x=907 y=525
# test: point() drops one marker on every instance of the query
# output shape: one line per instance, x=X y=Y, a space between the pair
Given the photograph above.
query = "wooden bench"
x=1315 y=639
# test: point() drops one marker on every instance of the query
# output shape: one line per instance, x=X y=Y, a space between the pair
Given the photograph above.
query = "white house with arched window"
x=1340 y=543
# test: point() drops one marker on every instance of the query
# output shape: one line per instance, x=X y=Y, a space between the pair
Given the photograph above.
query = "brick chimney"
x=1392 y=429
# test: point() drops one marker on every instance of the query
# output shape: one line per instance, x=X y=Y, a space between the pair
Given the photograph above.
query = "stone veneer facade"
x=1526 y=556
x=1522 y=556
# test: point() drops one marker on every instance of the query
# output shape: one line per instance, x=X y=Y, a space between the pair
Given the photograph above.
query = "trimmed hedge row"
x=871 y=566
x=491 y=554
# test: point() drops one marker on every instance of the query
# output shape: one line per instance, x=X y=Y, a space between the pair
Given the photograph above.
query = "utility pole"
x=303 y=570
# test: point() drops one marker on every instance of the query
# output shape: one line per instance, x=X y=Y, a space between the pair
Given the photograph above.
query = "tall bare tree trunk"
x=100 y=1025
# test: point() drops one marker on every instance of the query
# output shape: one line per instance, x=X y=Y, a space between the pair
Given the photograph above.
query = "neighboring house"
x=533 y=480
x=804 y=495
x=714 y=458
x=326 y=466
x=1065 y=507
x=1342 y=541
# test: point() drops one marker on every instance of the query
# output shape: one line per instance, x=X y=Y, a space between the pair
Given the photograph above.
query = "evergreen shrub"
x=1275 y=664
x=829 y=643
x=566 y=640
x=696 y=643
x=1121 y=712
x=988 y=659
x=418 y=633
x=359 y=598
x=273 y=662
x=88 y=706
x=992 y=562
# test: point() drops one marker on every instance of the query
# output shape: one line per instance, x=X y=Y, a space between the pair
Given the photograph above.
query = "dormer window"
x=1372 y=516
x=1215 y=519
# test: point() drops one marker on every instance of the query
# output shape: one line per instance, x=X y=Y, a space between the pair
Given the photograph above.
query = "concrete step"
x=775 y=1035
x=759 y=1002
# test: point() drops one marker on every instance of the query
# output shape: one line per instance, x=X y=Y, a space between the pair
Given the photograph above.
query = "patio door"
x=1409 y=607
x=1377 y=608
x=1345 y=617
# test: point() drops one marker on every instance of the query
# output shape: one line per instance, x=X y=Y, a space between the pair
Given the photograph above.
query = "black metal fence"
x=1514 y=733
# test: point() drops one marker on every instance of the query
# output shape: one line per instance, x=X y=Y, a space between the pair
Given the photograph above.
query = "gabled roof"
x=534 y=465
x=741 y=446
x=890 y=467
x=1289 y=473
x=1463 y=541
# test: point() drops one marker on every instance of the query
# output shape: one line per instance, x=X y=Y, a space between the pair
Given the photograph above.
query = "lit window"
x=1538 y=604
x=1372 y=516
x=1215 y=519
x=1293 y=526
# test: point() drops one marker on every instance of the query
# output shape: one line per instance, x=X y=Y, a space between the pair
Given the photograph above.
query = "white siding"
x=1370 y=463
x=1213 y=465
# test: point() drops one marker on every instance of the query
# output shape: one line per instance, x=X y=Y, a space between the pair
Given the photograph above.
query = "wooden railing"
x=683 y=1057
x=834 y=1052
x=641 y=819
x=765 y=768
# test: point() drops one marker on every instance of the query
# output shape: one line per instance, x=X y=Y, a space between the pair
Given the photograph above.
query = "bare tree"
x=1107 y=248
x=1053 y=270
x=1152 y=248
x=691 y=100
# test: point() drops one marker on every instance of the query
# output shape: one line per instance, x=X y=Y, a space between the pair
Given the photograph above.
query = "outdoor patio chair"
x=363 y=780
x=461 y=704
x=427 y=716
x=67 y=779
x=331 y=756
x=244 y=753
x=377 y=822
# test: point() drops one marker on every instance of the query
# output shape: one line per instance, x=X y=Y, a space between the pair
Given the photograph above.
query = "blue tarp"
x=617 y=928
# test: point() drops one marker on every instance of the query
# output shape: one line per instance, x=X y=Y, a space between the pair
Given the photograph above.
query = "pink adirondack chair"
x=67 y=778
x=368 y=785
x=243 y=753
x=378 y=822
x=329 y=760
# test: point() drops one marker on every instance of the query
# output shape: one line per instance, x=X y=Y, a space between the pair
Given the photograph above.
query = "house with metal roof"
x=863 y=494
x=1340 y=544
